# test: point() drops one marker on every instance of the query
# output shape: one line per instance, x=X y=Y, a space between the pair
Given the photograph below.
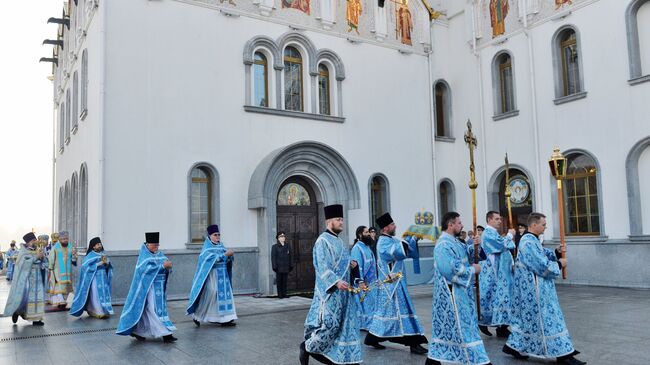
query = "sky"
x=26 y=118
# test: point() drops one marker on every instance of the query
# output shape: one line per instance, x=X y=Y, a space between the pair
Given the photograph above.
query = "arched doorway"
x=297 y=217
x=521 y=196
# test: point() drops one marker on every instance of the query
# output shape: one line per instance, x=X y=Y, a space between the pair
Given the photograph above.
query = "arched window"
x=66 y=206
x=61 y=126
x=261 y=80
x=204 y=190
x=75 y=100
x=442 y=104
x=67 y=117
x=293 y=90
x=84 y=84
x=323 y=89
x=74 y=213
x=447 y=200
x=581 y=196
x=61 y=208
x=504 y=86
x=567 y=63
x=379 y=198
x=637 y=19
x=83 y=205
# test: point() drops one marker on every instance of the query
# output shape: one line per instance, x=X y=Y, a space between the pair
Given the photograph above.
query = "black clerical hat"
x=333 y=211
x=213 y=229
x=152 y=237
x=29 y=237
x=384 y=220
x=95 y=241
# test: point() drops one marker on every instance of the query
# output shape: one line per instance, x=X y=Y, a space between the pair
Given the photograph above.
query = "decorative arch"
x=306 y=43
x=633 y=187
x=262 y=41
x=633 y=44
x=493 y=186
x=328 y=173
x=214 y=196
x=327 y=54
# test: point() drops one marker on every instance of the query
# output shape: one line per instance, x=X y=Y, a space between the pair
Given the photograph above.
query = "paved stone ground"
x=610 y=326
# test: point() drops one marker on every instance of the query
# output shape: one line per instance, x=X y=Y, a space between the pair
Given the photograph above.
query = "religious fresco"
x=561 y=3
x=293 y=194
x=302 y=5
x=353 y=12
x=498 y=13
x=403 y=22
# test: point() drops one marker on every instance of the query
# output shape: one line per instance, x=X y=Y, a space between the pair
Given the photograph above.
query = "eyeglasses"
x=281 y=236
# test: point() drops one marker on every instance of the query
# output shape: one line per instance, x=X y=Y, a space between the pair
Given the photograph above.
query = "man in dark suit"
x=282 y=263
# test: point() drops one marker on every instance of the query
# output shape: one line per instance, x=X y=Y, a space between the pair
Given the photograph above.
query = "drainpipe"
x=479 y=67
x=432 y=120
x=53 y=228
x=103 y=8
x=533 y=95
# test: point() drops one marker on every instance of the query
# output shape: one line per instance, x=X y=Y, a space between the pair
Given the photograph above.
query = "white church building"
x=171 y=115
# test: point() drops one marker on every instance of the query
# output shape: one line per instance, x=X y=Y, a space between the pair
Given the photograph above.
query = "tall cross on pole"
x=471 y=141
x=507 y=194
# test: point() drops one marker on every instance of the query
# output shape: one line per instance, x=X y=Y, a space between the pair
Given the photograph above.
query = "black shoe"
x=37 y=323
x=485 y=330
x=503 y=332
x=169 y=339
x=510 y=351
x=419 y=350
x=432 y=362
x=196 y=323
x=138 y=337
x=229 y=324
x=304 y=355
x=569 y=360
x=374 y=344
x=14 y=318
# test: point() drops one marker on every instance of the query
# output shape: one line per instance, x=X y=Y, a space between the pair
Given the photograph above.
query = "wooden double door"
x=297 y=217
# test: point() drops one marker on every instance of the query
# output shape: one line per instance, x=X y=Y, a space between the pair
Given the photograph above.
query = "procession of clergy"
x=355 y=290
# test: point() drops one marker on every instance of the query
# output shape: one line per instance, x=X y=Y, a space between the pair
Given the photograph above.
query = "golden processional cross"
x=472 y=142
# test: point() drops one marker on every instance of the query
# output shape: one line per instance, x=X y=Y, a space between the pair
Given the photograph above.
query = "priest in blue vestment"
x=538 y=327
x=211 y=297
x=394 y=317
x=455 y=337
x=27 y=296
x=12 y=257
x=332 y=333
x=496 y=277
x=93 y=293
x=365 y=259
x=145 y=311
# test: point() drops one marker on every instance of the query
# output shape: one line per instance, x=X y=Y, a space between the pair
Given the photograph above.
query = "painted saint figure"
x=560 y=3
x=60 y=261
x=404 y=23
x=353 y=11
x=498 y=14
x=302 y=5
x=145 y=310
x=93 y=293
x=26 y=295
x=211 y=297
